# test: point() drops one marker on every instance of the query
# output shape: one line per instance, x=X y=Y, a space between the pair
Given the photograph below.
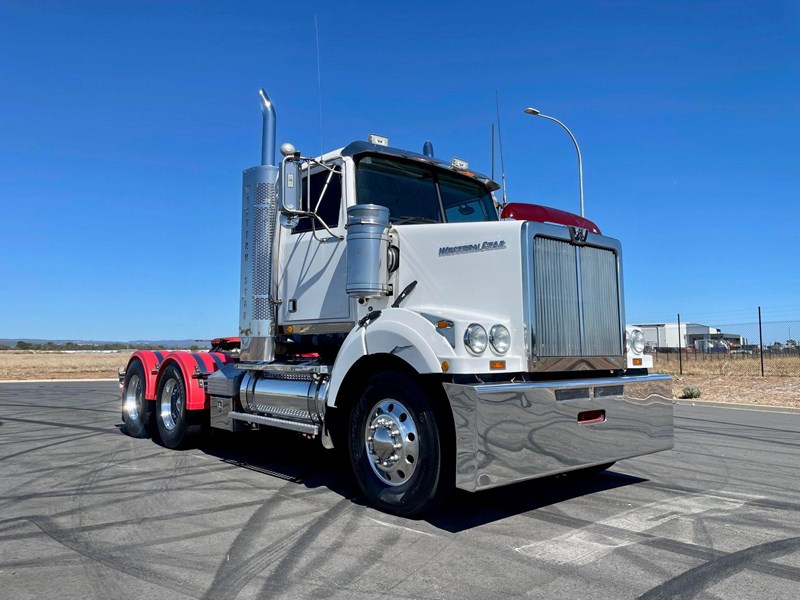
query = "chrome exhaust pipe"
x=257 y=314
x=268 y=133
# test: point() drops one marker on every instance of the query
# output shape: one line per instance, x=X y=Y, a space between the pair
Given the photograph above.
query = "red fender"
x=191 y=364
x=150 y=359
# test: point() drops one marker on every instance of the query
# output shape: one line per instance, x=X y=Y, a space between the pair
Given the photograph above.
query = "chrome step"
x=309 y=428
x=295 y=368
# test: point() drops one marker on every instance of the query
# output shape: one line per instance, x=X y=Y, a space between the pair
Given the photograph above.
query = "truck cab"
x=417 y=189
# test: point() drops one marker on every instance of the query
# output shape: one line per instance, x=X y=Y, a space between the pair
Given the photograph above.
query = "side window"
x=325 y=200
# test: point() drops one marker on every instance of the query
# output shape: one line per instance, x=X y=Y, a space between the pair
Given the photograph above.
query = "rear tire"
x=136 y=411
x=172 y=418
x=395 y=446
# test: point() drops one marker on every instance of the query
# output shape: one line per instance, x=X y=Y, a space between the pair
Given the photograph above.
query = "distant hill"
x=12 y=342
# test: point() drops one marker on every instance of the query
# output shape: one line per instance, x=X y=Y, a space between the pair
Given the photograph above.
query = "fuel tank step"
x=309 y=428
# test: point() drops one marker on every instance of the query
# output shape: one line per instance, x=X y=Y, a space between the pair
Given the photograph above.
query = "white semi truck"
x=391 y=306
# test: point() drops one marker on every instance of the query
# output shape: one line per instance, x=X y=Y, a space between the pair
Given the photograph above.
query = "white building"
x=691 y=335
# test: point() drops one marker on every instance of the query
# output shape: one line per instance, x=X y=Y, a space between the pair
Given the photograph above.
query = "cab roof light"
x=378 y=140
x=459 y=164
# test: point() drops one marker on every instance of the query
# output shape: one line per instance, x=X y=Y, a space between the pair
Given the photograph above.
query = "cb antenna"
x=500 y=140
x=319 y=86
x=492 y=151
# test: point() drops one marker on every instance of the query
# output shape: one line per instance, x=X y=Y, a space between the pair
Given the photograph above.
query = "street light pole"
x=536 y=113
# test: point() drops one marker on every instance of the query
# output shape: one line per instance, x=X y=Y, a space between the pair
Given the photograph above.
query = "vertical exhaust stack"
x=259 y=223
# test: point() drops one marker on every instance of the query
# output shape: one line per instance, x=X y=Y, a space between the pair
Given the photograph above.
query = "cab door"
x=313 y=276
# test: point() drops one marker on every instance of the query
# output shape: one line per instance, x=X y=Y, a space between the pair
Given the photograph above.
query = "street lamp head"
x=537 y=113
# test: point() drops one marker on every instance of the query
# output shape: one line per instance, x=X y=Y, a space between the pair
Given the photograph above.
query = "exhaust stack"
x=259 y=223
x=268 y=133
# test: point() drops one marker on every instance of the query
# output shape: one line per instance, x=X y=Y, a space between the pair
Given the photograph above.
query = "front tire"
x=172 y=417
x=136 y=411
x=394 y=445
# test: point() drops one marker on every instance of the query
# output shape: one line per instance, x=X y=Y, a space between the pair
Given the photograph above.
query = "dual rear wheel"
x=176 y=426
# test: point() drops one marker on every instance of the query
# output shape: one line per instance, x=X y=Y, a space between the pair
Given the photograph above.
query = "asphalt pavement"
x=87 y=512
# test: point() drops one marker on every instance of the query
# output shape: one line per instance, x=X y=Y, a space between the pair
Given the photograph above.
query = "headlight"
x=500 y=339
x=636 y=341
x=475 y=338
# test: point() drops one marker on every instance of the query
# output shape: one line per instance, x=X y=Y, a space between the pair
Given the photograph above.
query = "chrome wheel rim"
x=392 y=442
x=171 y=404
x=134 y=396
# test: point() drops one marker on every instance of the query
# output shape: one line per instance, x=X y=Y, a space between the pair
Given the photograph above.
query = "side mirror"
x=291 y=186
x=291 y=191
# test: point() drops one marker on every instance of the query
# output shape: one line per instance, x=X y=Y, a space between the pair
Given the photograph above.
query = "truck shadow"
x=468 y=510
x=289 y=457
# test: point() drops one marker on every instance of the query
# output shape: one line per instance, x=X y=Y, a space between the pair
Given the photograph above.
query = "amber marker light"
x=444 y=324
x=637 y=362
x=497 y=364
x=445 y=366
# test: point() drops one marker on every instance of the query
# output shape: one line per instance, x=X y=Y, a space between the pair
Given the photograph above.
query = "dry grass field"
x=770 y=390
x=23 y=364
x=735 y=380
x=739 y=365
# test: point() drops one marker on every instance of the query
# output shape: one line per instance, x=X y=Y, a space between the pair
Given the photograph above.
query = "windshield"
x=416 y=192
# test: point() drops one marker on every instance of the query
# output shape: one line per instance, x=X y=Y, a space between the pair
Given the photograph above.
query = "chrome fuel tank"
x=293 y=397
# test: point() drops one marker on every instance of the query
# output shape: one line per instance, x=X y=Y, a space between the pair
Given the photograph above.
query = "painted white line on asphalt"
x=594 y=541
x=775 y=408
x=400 y=527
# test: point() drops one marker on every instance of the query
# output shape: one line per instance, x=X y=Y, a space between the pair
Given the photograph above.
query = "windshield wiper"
x=411 y=220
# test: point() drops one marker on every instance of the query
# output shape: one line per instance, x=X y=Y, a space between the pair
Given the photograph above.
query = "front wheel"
x=394 y=445
x=172 y=417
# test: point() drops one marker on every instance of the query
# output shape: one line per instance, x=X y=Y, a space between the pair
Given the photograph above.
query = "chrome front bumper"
x=516 y=431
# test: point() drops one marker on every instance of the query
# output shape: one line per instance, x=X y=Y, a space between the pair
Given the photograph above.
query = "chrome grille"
x=576 y=302
x=556 y=298
x=602 y=330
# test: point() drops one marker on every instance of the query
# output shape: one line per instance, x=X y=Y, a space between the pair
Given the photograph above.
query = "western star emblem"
x=477 y=247
x=578 y=235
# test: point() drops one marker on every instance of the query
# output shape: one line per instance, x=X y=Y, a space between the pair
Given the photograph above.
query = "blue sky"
x=124 y=128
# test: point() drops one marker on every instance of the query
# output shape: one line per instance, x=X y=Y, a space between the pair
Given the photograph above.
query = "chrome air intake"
x=367 y=250
x=259 y=222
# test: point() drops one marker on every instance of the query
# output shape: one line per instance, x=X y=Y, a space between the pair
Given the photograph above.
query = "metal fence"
x=758 y=348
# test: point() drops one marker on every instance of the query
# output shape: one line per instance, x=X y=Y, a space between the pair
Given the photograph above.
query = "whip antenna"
x=500 y=140
x=319 y=86
x=492 y=151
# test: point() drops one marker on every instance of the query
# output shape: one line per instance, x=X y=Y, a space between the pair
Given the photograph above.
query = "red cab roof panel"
x=546 y=214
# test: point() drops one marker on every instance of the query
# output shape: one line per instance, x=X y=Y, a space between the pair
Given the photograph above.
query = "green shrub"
x=690 y=392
